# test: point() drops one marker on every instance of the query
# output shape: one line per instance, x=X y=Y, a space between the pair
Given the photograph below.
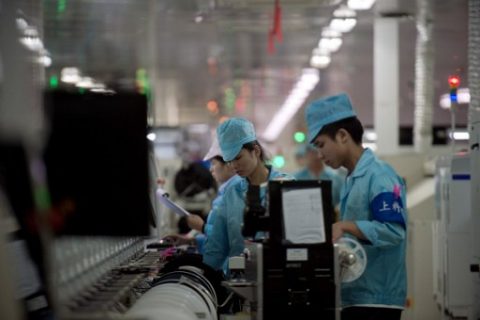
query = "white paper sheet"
x=303 y=215
x=162 y=196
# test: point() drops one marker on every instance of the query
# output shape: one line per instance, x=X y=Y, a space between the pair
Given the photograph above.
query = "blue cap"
x=232 y=135
x=325 y=111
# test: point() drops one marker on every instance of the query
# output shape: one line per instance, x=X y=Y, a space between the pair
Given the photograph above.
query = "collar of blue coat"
x=362 y=165
x=234 y=179
x=273 y=175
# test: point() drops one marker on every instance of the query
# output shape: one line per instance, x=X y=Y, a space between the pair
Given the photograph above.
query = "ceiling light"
x=360 y=4
x=45 y=60
x=320 y=62
x=344 y=12
x=103 y=90
x=320 y=58
x=85 y=82
x=343 y=24
x=70 y=75
x=151 y=136
x=21 y=24
x=329 y=33
x=294 y=101
x=31 y=40
x=344 y=19
x=459 y=135
x=89 y=83
x=330 y=44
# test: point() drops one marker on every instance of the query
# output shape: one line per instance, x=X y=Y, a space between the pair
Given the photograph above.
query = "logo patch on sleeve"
x=388 y=207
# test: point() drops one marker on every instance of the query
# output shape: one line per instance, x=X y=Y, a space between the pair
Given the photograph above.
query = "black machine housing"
x=295 y=280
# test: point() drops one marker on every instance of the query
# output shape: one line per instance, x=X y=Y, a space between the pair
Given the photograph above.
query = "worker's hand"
x=161 y=181
x=178 y=239
x=195 y=222
x=350 y=227
x=337 y=231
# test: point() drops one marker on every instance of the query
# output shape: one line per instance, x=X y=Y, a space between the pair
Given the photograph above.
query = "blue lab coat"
x=201 y=238
x=374 y=198
x=226 y=239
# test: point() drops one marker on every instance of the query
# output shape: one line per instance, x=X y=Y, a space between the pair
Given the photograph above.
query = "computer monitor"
x=300 y=212
x=96 y=158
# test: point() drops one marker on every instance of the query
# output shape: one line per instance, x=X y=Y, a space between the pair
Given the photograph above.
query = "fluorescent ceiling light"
x=31 y=40
x=45 y=60
x=343 y=24
x=102 y=90
x=344 y=12
x=329 y=33
x=85 y=82
x=295 y=100
x=70 y=75
x=459 y=135
x=320 y=62
x=330 y=44
x=463 y=97
x=360 y=4
x=21 y=23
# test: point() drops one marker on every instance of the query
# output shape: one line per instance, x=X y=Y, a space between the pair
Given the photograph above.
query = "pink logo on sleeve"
x=396 y=191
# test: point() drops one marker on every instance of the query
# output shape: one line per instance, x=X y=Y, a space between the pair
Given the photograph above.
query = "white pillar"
x=386 y=79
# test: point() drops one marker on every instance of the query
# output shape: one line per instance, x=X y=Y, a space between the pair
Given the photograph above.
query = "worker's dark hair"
x=250 y=146
x=352 y=125
x=218 y=158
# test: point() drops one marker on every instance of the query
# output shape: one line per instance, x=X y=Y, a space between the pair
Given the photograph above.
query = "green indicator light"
x=61 y=6
x=53 y=82
x=42 y=198
x=81 y=90
x=299 y=137
x=278 y=161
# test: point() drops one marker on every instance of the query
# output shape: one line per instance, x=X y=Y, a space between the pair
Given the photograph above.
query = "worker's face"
x=330 y=150
x=220 y=171
x=245 y=162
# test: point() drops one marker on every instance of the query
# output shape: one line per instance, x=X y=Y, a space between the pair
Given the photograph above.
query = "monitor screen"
x=97 y=163
x=301 y=212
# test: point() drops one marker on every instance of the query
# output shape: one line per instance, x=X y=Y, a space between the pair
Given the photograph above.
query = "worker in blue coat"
x=225 y=177
x=315 y=169
x=240 y=148
x=373 y=210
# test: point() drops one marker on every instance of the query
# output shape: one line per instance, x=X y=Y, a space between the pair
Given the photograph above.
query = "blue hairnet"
x=232 y=135
x=325 y=111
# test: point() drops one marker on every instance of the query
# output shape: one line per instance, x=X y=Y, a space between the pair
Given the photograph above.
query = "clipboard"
x=164 y=199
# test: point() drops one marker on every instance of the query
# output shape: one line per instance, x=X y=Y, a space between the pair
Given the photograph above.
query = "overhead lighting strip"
x=307 y=82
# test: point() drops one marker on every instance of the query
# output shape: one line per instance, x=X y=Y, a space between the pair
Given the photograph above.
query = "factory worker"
x=225 y=177
x=315 y=169
x=372 y=209
x=241 y=150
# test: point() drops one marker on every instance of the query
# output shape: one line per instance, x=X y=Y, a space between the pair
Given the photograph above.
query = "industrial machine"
x=455 y=273
x=296 y=270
